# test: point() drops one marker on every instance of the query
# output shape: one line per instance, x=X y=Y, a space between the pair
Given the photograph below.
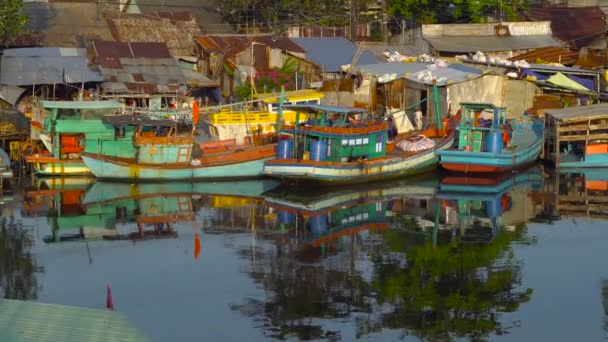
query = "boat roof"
x=136 y=120
x=578 y=113
x=302 y=94
x=103 y=104
x=323 y=108
x=481 y=105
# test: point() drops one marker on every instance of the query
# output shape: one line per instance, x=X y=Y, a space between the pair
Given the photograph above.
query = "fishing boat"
x=338 y=144
x=238 y=121
x=488 y=142
x=161 y=150
x=65 y=132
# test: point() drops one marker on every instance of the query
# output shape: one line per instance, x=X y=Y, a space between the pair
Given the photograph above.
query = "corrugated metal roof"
x=282 y=43
x=576 y=27
x=453 y=73
x=67 y=24
x=593 y=58
x=549 y=54
x=176 y=29
x=491 y=43
x=333 y=52
x=204 y=11
x=228 y=45
x=573 y=113
x=146 y=68
x=22 y=321
x=27 y=66
x=486 y=29
x=547 y=67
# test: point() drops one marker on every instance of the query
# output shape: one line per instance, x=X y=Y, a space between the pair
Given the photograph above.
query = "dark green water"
x=517 y=258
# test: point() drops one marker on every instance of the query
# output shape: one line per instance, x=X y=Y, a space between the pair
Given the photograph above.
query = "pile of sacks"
x=480 y=57
x=397 y=57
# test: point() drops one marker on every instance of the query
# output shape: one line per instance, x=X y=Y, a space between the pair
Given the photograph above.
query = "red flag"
x=195 y=111
x=197 y=246
x=109 y=303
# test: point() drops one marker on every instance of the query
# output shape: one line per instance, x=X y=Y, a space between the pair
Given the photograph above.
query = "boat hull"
x=487 y=162
x=49 y=166
x=331 y=172
x=106 y=168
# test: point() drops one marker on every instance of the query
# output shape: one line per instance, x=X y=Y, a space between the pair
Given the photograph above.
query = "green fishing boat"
x=73 y=127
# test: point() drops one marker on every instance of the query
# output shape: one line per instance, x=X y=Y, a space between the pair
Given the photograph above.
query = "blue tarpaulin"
x=584 y=81
x=539 y=76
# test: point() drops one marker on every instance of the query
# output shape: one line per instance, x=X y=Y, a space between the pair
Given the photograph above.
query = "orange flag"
x=195 y=111
x=197 y=246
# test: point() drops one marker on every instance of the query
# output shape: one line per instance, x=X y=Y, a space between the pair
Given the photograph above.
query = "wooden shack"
x=577 y=136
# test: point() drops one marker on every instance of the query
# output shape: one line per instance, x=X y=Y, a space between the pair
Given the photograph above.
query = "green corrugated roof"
x=29 y=321
x=103 y=104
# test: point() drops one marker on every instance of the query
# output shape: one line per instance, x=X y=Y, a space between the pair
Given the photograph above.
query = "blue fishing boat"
x=489 y=142
x=339 y=144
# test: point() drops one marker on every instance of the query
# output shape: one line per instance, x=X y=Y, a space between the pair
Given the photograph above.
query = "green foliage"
x=462 y=11
x=12 y=21
x=17 y=265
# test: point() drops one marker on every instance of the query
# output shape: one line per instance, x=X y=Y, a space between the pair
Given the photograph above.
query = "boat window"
x=352 y=142
x=365 y=141
x=344 y=142
x=65 y=112
x=359 y=141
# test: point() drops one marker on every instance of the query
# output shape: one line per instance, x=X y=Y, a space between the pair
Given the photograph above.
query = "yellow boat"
x=261 y=118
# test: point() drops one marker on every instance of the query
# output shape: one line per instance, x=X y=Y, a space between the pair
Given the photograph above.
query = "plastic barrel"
x=318 y=225
x=285 y=217
x=318 y=150
x=493 y=142
x=285 y=149
x=494 y=208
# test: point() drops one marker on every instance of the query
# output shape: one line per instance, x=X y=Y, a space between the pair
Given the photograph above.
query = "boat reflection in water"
x=79 y=210
x=414 y=257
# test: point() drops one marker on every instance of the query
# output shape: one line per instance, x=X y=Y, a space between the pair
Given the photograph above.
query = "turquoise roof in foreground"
x=22 y=321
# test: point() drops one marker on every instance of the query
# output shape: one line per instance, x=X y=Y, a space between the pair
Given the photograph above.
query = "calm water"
x=517 y=258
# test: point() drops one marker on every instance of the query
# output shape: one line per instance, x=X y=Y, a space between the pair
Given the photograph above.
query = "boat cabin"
x=481 y=127
x=154 y=141
x=334 y=134
x=71 y=123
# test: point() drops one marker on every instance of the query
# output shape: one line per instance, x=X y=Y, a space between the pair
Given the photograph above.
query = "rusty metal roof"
x=282 y=43
x=228 y=45
x=549 y=54
x=176 y=29
x=593 y=58
x=143 y=68
x=577 y=27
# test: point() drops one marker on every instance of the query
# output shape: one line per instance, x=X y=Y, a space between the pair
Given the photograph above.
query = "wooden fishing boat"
x=66 y=130
x=341 y=144
x=164 y=153
x=488 y=142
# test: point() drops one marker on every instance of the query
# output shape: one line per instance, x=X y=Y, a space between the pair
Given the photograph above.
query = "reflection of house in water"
x=581 y=193
x=479 y=207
